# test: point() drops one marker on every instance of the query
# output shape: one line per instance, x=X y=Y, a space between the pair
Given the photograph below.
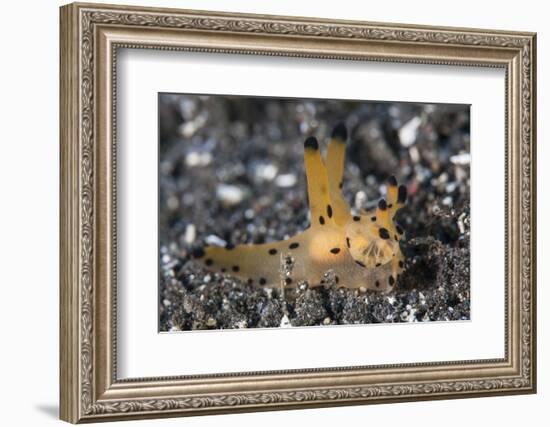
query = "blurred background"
x=231 y=171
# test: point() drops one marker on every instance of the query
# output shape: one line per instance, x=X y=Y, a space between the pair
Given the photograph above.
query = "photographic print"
x=287 y=212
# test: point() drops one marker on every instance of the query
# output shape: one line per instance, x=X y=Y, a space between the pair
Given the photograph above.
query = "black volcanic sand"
x=231 y=171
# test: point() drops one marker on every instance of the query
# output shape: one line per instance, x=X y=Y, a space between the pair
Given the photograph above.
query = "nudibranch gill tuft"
x=361 y=250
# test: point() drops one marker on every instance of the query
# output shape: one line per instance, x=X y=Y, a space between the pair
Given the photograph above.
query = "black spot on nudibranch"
x=336 y=279
x=391 y=280
x=399 y=229
x=321 y=220
x=329 y=211
x=250 y=281
x=335 y=251
x=378 y=264
x=272 y=251
x=262 y=281
x=347 y=242
x=396 y=238
x=401 y=265
x=235 y=268
x=384 y=233
x=209 y=262
x=340 y=132
x=340 y=185
x=357 y=218
x=293 y=245
x=392 y=181
x=402 y=194
x=288 y=280
x=382 y=205
x=377 y=284
x=360 y=264
x=373 y=218
x=311 y=143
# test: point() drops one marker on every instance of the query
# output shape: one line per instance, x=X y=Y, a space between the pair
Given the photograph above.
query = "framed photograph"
x=267 y=212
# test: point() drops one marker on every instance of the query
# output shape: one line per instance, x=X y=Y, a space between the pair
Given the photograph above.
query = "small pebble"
x=360 y=199
x=230 y=195
x=249 y=213
x=286 y=180
x=190 y=234
x=461 y=159
x=448 y=201
x=407 y=133
x=198 y=159
x=215 y=240
x=266 y=172
x=285 y=323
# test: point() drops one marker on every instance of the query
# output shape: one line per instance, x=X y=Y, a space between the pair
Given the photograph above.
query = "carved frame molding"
x=90 y=37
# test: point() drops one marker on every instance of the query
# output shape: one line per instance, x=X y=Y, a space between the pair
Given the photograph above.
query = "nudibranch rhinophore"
x=359 y=250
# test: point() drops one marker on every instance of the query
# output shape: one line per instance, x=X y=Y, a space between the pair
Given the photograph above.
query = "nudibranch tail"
x=360 y=250
x=255 y=264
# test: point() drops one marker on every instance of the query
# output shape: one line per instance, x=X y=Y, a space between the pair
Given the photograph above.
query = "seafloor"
x=231 y=171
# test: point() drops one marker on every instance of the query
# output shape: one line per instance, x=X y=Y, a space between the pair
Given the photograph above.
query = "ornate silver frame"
x=90 y=36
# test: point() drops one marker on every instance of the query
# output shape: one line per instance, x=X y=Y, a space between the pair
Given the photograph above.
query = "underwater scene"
x=287 y=212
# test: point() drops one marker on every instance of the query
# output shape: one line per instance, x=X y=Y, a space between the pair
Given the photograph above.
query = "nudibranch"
x=359 y=250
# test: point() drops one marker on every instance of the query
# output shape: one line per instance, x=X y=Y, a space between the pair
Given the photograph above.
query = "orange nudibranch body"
x=360 y=250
